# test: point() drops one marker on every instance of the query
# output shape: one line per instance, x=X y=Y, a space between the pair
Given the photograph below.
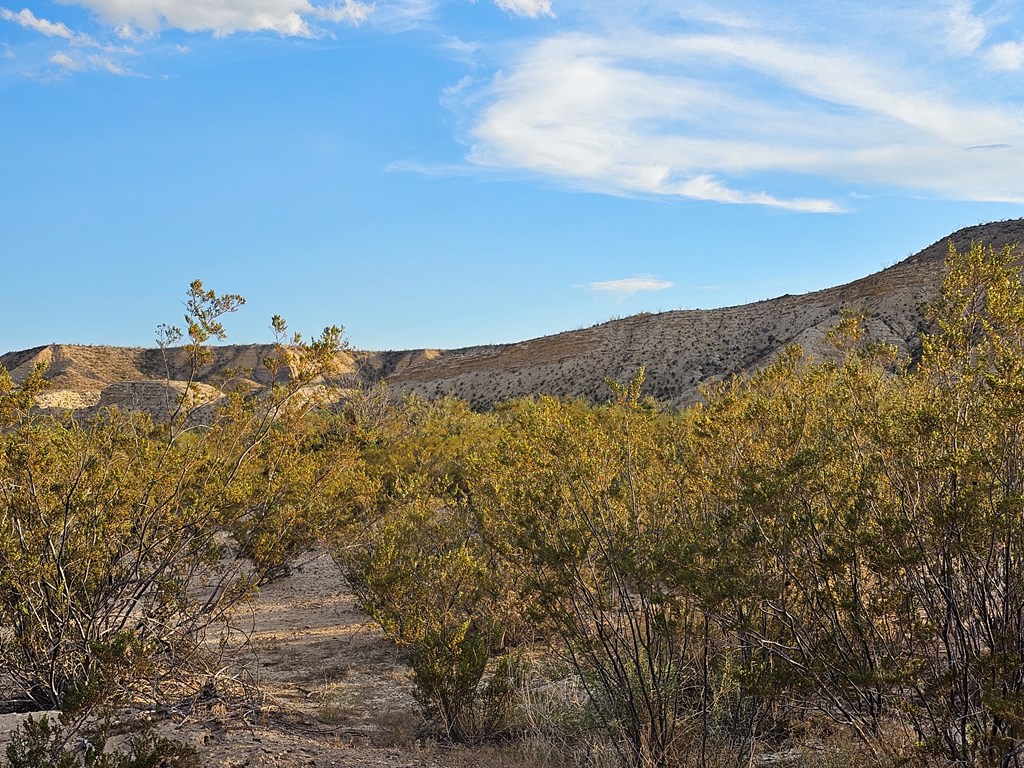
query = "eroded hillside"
x=684 y=349
x=681 y=350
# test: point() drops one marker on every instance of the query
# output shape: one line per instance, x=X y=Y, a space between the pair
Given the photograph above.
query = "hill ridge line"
x=681 y=349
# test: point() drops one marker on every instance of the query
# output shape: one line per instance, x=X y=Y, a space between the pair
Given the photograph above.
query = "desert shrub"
x=44 y=743
x=861 y=527
x=116 y=555
x=100 y=545
x=298 y=485
x=420 y=567
x=962 y=507
x=16 y=400
x=832 y=541
x=838 y=537
x=423 y=579
x=783 y=476
x=38 y=743
x=448 y=670
x=580 y=503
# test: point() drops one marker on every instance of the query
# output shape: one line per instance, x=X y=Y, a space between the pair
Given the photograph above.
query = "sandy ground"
x=328 y=688
x=336 y=691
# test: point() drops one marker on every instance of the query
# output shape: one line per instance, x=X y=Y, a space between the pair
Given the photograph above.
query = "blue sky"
x=438 y=174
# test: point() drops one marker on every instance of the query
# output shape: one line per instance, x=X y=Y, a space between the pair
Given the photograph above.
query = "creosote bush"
x=820 y=548
x=423 y=571
x=125 y=542
x=43 y=743
x=820 y=553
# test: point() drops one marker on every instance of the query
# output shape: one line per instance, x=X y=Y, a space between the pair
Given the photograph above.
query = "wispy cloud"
x=988 y=147
x=578 y=108
x=965 y=31
x=29 y=20
x=462 y=50
x=398 y=16
x=346 y=12
x=707 y=187
x=79 y=51
x=793 y=105
x=748 y=109
x=529 y=8
x=440 y=170
x=127 y=30
x=131 y=34
x=710 y=13
x=629 y=286
x=93 y=62
x=1007 y=56
x=61 y=59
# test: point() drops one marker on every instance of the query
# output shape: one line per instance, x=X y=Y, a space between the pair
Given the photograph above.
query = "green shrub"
x=43 y=743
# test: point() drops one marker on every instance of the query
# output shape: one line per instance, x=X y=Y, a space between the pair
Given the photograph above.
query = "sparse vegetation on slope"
x=681 y=350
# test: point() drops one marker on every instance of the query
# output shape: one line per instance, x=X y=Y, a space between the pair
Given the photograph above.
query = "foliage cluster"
x=822 y=550
x=835 y=545
x=42 y=743
x=125 y=541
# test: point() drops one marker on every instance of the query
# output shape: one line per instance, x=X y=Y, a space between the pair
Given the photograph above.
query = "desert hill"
x=680 y=349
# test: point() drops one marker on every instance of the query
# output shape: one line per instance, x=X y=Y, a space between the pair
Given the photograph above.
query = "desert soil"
x=328 y=689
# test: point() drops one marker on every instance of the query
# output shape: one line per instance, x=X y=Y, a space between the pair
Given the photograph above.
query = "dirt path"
x=330 y=690
x=335 y=691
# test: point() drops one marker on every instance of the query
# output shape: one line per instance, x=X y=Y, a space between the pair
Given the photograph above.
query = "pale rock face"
x=157 y=397
x=68 y=399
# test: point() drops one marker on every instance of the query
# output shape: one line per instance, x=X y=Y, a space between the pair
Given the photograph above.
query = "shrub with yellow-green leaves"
x=423 y=571
x=124 y=541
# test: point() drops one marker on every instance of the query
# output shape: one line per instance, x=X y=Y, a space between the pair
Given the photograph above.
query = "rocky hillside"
x=683 y=349
x=680 y=349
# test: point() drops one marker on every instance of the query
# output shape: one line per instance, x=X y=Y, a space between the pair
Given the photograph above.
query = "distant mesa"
x=681 y=350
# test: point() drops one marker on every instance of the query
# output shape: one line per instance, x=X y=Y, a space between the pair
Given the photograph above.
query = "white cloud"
x=749 y=112
x=965 y=31
x=529 y=8
x=77 y=39
x=85 y=53
x=440 y=170
x=1008 y=56
x=575 y=110
x=988 y=147
x=62 y=59
x=27 y=19
x=397 y=16
x=628 y=286
x=346 y=12
x=462 y=50
x=129 y=28
x=221 y=18
x=291 y=18
x=87 y=63
x=131 y=33
x=709 y=188
x=708 y=13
